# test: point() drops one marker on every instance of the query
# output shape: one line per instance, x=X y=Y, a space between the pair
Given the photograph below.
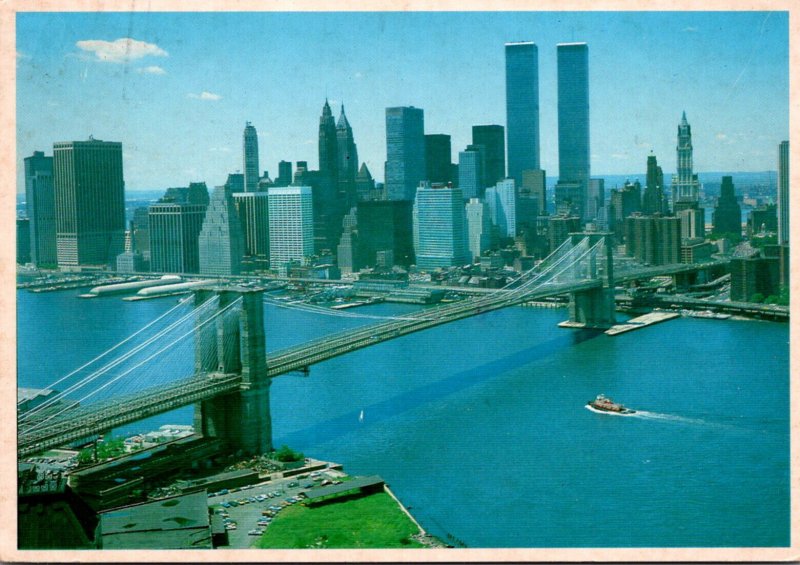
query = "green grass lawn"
x=374 y=521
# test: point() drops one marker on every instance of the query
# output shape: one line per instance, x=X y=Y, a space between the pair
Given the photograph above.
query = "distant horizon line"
x=642 y=174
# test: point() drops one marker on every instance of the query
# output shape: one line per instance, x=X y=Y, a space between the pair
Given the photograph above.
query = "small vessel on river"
x=604 y=404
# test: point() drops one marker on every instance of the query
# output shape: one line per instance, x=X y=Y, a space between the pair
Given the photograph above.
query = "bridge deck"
x=101 y=416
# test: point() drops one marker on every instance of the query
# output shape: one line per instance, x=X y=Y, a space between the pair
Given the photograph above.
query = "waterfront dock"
x=641 y=322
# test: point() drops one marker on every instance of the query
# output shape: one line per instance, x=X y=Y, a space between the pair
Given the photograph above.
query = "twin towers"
x=522 y=115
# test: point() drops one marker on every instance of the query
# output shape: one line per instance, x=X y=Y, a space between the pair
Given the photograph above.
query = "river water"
x=480 y=426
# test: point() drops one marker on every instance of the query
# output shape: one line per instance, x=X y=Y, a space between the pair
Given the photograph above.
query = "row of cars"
x=271 y=512
x=266 y=515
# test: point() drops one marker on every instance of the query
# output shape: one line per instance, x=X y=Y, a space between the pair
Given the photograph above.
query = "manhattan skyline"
x=178 y=102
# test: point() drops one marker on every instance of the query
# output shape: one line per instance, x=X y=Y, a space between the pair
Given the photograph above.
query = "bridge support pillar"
x=236 y=344
x=591 y=309
x=594 y=308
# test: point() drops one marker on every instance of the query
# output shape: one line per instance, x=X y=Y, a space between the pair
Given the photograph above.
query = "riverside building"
x=89 y=203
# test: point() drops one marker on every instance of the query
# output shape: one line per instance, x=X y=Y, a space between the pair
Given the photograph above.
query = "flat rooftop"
x=171 y=523
x=347 y=486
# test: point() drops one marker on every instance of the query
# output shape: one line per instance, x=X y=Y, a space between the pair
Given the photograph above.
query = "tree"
x=757 y=297
x=85 y=456
x=286 y=455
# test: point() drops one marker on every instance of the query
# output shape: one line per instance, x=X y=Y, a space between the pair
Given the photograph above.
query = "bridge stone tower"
x=594 y=308
x=235 y=345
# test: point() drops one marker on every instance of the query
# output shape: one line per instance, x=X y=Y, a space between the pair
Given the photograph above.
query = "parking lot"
x=243 y=508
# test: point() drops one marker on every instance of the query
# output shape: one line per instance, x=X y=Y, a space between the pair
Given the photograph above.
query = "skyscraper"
x=284 y=174
x=559 y=227
x=653 y=240
x=348 y=252
x=595 y=198
x=685 y=184
x=89 y=202
x=438 y=156
x=623 y=203
x=534 y=186
x=174 y=229
x=653 y=199
x=291 y=225
x=440 y=231
x=40 y=204
x=783 y=193
x=326 y=189
x=493 y=138
x=334 y=186
x=328 y=148
x=221 y=242
x=365 y=184
x=23 y=241
x=479 y=227
x=250 y=151
x=693 y=223
x=522 y=107
x=405 y=151
x=727 y=216
x=386 y=225
x=573 y=116
x=470 y=173
x=252 y=209
x=347 y=168
x=502 y=202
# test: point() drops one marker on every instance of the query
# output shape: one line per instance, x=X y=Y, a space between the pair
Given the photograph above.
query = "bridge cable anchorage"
x=168 y=347
x=111 y=364
x=124 y=341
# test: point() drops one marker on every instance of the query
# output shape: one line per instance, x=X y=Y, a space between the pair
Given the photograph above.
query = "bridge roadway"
x=309 y=353
x=99 y=417
x=624 y=274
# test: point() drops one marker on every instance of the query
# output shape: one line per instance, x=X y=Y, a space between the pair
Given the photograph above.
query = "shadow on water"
x=334 y=428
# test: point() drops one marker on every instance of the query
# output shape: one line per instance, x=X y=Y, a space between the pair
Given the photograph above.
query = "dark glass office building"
x=89 y=202
x=40 y=204
x=493 y=139
x=438 y=158
x=522 y=108
x=573 y=113
x=405 y=151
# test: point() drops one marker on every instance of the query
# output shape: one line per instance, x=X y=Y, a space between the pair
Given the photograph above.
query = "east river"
x=480 y=426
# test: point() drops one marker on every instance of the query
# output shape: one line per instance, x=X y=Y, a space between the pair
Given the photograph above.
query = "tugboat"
x=604 y=404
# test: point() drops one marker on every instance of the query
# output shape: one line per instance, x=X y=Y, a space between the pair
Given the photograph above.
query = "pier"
x=641 y=322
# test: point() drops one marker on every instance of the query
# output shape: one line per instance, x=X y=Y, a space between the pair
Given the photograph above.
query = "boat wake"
x=667 y=417
x=643 y=414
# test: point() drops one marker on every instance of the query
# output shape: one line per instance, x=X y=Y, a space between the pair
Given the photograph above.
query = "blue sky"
x=179 y=94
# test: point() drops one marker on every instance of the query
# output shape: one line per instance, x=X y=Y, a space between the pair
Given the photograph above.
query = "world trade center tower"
x=522 y=108
x=573 y=114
